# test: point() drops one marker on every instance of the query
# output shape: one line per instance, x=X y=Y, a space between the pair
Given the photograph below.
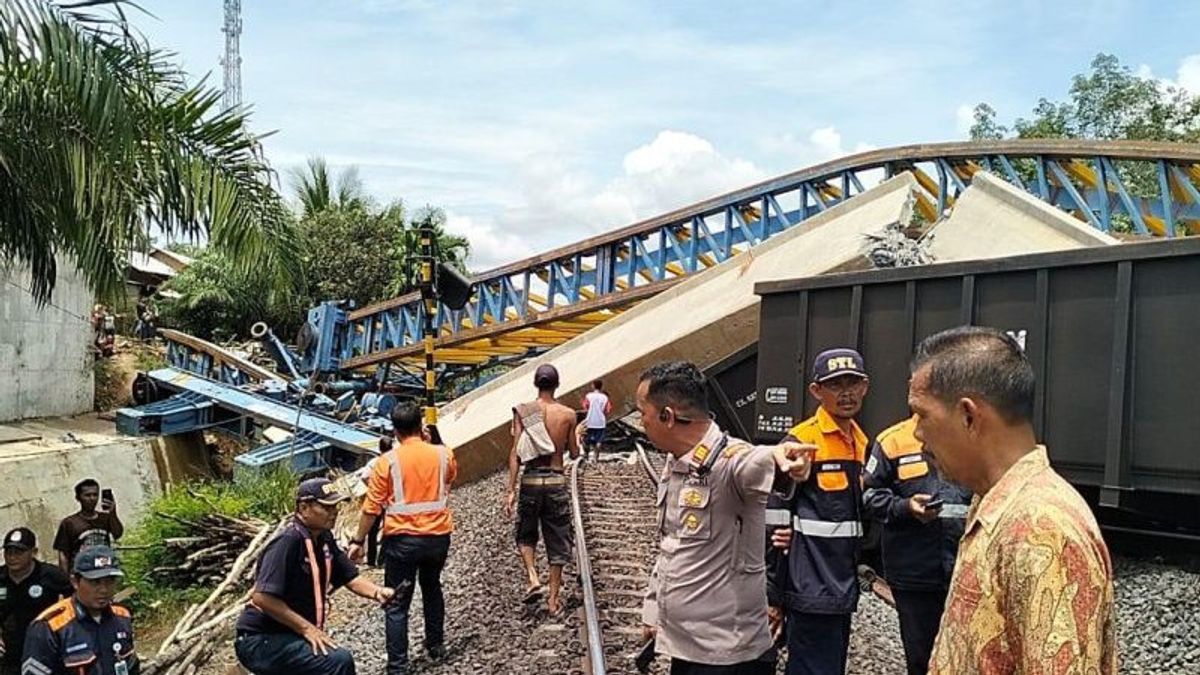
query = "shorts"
x=549 y=505
x=594 y=436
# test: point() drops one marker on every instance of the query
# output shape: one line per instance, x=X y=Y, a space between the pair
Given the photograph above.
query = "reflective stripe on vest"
x=779 y=517
x=954 y=511
x=826 y=528
x=398 y=506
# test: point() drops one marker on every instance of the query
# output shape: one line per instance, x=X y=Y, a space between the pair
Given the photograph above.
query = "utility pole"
x=232 y=61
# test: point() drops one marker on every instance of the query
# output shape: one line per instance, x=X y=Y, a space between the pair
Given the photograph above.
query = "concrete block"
x=703 y=319
x=994 y=219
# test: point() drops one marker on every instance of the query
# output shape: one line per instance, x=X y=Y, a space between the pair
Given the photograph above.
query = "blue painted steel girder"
x=663 y=247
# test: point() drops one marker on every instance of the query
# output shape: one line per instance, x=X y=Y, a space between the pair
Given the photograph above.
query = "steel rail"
x=591 y=613
x=644 y=460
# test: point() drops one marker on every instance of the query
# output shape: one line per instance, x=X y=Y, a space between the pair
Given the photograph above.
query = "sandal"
x=533 y=594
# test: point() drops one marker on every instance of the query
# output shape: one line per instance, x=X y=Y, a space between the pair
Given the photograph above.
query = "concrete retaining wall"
x=45 y=352
x=37 y=475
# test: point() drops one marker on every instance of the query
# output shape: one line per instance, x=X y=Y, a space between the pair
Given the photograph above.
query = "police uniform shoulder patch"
x=872 y=464
x=121 y=611
x=736 y=449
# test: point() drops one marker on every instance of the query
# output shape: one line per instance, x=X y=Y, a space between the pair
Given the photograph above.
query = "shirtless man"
x=543 y=496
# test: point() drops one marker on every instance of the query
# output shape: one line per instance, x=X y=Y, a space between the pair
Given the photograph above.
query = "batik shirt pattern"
x=1032 y=589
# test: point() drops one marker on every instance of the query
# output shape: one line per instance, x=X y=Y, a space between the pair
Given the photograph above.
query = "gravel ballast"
x=488 y=630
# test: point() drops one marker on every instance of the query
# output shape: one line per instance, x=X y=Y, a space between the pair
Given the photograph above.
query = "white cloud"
x=1187 y=74
x=821 y=145
x=489 y=247
x=964 y=119
x=561 y=204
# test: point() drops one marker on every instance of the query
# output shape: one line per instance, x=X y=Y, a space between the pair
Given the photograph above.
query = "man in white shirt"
x=598 y=407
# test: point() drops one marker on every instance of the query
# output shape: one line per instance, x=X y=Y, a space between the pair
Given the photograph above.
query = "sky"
x=535 y=124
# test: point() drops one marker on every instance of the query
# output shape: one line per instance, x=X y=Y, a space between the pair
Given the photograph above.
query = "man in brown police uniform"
x=707 y=603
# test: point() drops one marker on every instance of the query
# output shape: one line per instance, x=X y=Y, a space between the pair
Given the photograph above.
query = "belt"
x=544 y=480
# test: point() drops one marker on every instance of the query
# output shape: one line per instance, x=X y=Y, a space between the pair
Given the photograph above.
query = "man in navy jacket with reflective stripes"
x=817 y=522
x=920 y=537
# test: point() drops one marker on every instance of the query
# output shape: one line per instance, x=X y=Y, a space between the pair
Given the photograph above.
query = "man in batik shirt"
x=1032 y=587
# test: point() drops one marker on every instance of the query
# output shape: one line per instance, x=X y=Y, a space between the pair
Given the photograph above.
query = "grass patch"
x=148 y=358
x=109 y=387
x=267 y=497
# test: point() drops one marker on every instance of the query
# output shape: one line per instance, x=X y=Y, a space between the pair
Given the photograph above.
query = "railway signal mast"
x=231 y=62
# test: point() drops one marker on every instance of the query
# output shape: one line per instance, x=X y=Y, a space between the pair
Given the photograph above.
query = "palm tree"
x=315 y=192
x=102 y=138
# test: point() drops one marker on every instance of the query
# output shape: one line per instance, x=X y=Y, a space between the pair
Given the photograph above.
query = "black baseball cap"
x=97 y=562
x=320 y=490
x=833 y=363
x=21 y=538
x=546 y=376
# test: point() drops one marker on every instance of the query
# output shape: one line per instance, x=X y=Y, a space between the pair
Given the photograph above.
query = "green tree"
x=218 y=299
x=350 y=254
x=101 y=137
x=315 y=188
x=986 y=128
x=1109 y=102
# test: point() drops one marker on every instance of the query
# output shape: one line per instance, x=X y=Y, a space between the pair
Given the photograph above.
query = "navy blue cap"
x=20 y=538
x=320 y=490
x=97 y=562
x=833 y=363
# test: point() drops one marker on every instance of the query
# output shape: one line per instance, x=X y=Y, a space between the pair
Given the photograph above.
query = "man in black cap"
x=84 y=634
x=817 y=524
x=28 y=587
x=282 y=630
x=542 y=429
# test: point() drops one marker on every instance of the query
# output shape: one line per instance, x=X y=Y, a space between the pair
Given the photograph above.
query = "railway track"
x=616 y=543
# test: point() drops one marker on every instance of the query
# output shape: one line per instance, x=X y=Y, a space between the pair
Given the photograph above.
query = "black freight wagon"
x=1112 y=333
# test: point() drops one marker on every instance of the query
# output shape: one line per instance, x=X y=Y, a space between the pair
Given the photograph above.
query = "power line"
x=60 y=308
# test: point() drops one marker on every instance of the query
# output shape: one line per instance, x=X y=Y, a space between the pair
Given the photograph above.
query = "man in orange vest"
x=408 y=488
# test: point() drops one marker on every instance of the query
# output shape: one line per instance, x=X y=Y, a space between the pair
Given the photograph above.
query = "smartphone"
x=106 y=497
x=934 y=504
x=645 y=656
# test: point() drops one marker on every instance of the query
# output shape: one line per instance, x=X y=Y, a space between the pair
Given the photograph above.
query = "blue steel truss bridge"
x=1143 y=189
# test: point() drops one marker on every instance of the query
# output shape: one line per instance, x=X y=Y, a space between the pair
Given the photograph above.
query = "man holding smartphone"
x=922 y=515
x=95 y=524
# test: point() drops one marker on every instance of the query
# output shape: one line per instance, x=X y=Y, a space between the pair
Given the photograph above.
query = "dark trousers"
x=288 y=654
x=764 y=665
x=373 y=542
x=920 y=615
x=817 y=643
x=409 y=557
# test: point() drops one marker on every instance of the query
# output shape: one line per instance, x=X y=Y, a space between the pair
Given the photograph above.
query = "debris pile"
x=894 y=248
x=220 y=550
